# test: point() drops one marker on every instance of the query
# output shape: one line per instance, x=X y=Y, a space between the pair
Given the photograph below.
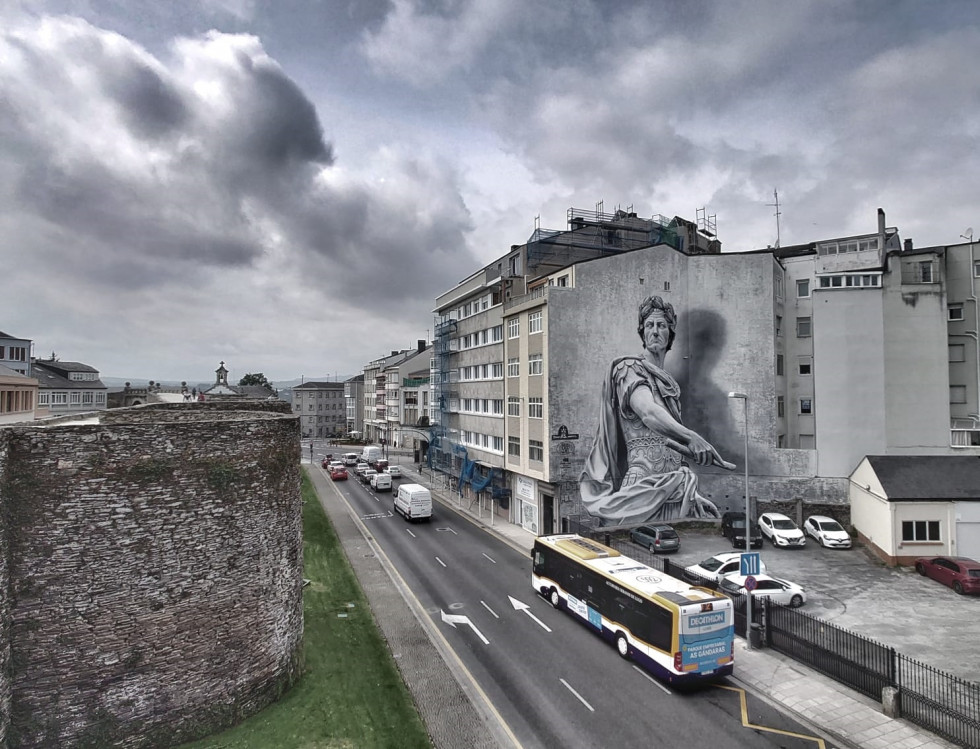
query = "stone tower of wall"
x=154 y=573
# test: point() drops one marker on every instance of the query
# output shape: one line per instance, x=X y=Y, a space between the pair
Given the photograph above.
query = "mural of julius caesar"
x=637 y=470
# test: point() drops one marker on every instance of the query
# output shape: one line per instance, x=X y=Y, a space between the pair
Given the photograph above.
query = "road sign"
x=751 y=583
x=750 y=563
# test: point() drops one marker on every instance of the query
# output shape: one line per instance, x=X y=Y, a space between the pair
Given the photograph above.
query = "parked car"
x=712 y=569
x=827 y=532
x=365 y=476
x=780 y=530
x=774 y=588
x=733 y=527
x=339 y=474
x=656 y=538
x=962 y=574
x=394 y=471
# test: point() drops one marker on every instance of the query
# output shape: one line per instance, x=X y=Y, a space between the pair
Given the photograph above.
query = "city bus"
x=678 y=632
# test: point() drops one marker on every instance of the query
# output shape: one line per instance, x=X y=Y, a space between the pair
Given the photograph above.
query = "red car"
x=962 y=574
x=339 y=474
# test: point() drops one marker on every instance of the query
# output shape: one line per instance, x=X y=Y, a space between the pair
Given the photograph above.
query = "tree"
x=255 y=379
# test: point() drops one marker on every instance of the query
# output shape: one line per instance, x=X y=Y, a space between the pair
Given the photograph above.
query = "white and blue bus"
x=676 y=631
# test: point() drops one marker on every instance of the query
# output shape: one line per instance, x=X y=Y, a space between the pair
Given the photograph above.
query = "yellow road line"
x=745 y=720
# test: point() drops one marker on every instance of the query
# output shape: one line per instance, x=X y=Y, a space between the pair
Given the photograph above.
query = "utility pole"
x=775 y=195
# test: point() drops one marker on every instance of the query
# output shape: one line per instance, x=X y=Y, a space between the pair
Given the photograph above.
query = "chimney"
x=908 y=245
x=421 y=345
x=881 y=224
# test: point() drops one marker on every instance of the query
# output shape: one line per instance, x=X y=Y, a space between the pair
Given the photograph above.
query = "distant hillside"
x=114 y=382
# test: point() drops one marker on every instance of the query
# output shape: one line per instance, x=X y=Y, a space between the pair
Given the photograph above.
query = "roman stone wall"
x=155 y=573
x=5 y=687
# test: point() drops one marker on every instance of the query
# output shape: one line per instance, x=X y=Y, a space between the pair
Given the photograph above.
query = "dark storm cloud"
x=152 y=107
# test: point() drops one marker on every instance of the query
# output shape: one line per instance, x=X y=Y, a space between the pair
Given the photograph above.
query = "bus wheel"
x=554 y=598
x=622 y=645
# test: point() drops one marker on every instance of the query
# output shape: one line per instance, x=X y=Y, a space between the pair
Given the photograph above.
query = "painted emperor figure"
x=638 y=469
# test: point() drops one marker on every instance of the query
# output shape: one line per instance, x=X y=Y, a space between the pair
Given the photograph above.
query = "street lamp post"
x=748 y=514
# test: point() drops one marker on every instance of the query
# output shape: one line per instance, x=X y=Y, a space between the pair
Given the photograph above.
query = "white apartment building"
x=322 y=409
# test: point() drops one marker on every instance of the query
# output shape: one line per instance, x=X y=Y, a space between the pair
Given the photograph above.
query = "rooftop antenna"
x=707 y=224
x=968 y=234
x=775 y=195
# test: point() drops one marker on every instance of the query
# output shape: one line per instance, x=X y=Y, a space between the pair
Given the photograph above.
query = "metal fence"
x=933 y=699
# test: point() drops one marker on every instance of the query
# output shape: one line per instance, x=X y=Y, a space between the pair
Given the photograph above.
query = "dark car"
x=962 y=574
x=733 y=527
x=656 y=537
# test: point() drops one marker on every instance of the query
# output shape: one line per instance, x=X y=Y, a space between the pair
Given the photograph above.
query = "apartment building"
x=15 y=353
x=322 y=409
x=18 y=396
x=353 y=401
x=375 y=394
x=837 y=349
x=406 y=393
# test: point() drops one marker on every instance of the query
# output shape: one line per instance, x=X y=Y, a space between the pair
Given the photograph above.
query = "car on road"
x=733 y=528
x=827 y=532
x=339 y=474
x=365 y=476
x=325 y=463
x=656 y=537
x=962 y=574
x=394 y=471
x=709 y=571
x=774 y=588
x=381 y=482
x=360 y=468
x=780 y=530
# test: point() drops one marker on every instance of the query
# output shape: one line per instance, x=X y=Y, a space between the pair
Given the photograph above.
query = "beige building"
x=18 y=396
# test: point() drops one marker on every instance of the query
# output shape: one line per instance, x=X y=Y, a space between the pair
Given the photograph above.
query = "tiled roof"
x=928 y=477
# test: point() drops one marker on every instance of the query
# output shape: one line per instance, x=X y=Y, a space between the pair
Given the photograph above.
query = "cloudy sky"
x=286 y=186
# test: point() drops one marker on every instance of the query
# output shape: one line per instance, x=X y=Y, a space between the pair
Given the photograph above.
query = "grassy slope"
x=351 y=694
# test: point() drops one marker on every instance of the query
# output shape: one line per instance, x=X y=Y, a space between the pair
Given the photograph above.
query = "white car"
x=360 y=468
x=780 y=530
x=774 y=588
x=394 y=471
x=335 y=464
x=714 y=568
x=827 y=532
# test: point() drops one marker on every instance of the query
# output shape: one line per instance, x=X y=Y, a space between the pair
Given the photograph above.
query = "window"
x=513 y=405
x=497 y=333
x=805 y=365
x=497 y=370
x=534 y=364
x=778 y=283
x=497 y=444
x=780 y=406
x=513 y=327
x=925 y=271
x=920 y=530
x=802 y=327
x=976 y=268
x=779 y=364
x=535 y=408
x=59 y=398
x=957 y=352
x=76 y=397
x=535 y=450
x=514 y=367
x=44 y=395
x=803 y=288
x=779 y=325
x=514 y=446
x=562 y=281
x=957 y=393
x=806 y=405
x=534 y=322
x=954 y=312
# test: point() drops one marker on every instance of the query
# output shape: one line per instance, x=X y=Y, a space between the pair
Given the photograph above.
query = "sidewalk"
x=849 y=718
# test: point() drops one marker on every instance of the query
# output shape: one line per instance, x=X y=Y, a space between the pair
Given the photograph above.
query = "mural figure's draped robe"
x=632 y=476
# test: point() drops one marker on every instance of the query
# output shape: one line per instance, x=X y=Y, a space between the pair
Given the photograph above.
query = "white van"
x=381 y=482
x=350 y=459
x=413 y=502
x=370 y=453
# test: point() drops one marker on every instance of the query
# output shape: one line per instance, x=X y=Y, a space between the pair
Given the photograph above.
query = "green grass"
x=351 y=693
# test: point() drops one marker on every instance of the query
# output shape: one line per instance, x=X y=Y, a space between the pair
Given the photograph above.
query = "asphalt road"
x=551 y=680
x=848 y=587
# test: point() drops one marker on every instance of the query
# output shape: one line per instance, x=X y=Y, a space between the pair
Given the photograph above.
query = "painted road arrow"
x=520 y=606
x=453 y=619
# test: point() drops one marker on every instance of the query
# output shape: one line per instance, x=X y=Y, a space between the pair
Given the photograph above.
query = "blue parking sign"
x=749 y=563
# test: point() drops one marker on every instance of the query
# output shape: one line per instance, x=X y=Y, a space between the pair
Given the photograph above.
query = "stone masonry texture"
x=151 y=567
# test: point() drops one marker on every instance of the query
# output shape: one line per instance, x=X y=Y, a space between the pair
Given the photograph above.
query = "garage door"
x=968 y=539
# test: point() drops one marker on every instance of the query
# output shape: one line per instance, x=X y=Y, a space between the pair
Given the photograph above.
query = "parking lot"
x=895 y=606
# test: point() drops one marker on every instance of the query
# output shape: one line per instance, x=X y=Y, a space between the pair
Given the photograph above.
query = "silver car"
x=656 y=538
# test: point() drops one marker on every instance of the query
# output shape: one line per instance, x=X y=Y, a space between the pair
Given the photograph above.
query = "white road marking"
x=644 y=673
x=409 y=532
x=490 y=558
x=453 y=619
x=440 y=561
x=448 y=529
x=489 y=609
x=521 y=606
x=580 y=697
